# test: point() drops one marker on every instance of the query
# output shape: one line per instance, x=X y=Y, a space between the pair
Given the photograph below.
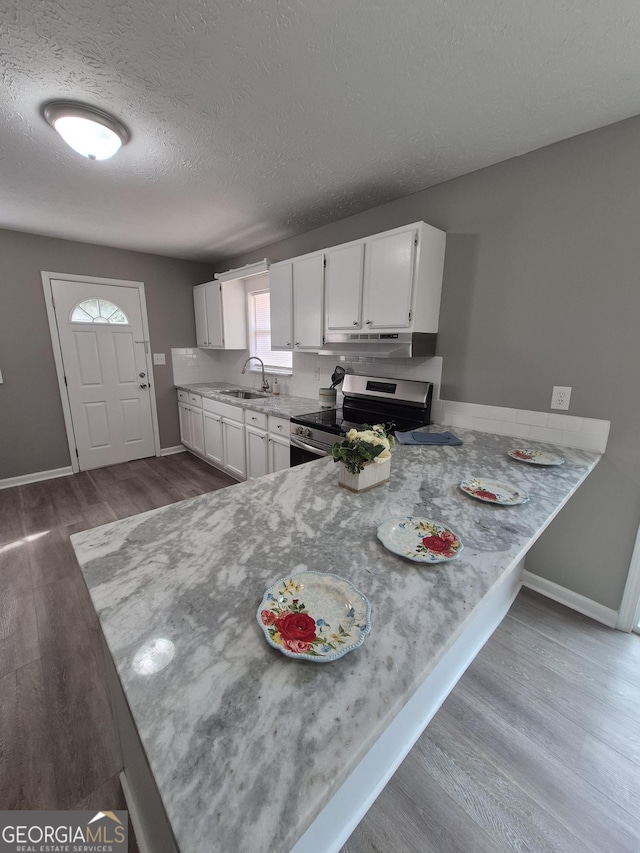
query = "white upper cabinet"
x=220 y=311
x=308 y=279
x=388 y=276
x=296 y=290
x=343 y=280
x=281 y=305
x=389 y=282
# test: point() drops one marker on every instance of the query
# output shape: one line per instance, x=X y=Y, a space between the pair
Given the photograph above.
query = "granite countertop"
x=246 y=745
x=282 y=406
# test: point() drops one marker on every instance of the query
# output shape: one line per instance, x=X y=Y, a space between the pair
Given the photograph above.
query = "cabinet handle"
x=355 y=322
x=288 y=343
x=297 y=343
x=368 y=323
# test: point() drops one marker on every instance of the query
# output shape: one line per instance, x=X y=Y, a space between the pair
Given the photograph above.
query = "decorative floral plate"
x=535 y=457
x=494 y=492
x=314 y=616
x=419 y=539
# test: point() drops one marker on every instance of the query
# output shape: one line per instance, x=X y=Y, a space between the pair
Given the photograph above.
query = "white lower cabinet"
x=197 y=430
x=213 y=438
x=185 y=425
x=191 y=426
x=235 y=461
x=257 y=452
x=279 y=453
x=243 y=442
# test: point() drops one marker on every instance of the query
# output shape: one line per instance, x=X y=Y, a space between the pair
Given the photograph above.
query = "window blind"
x=261 y=338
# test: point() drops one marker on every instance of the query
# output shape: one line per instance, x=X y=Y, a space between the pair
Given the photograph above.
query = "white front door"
x=101 y=336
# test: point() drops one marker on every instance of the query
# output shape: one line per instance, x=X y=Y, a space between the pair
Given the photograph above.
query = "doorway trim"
x=47 y=277
x=630 y=606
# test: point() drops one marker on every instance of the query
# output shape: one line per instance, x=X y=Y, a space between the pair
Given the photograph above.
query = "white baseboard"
x=169 y=451
x=570 y=599
x=136 y=823
x=36 y=477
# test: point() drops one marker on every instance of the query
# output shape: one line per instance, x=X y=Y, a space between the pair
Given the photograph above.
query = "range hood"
x=382 y=345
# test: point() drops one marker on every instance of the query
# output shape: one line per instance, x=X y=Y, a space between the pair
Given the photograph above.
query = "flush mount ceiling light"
x=88 y=130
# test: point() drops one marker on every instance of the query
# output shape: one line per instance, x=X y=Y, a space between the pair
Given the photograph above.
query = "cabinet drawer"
x=280 y=426
x=255 y=419
x=183 y=396
x=233 y=413
x=195 y=400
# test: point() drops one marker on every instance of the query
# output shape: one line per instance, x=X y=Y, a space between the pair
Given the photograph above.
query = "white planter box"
x=373 y=474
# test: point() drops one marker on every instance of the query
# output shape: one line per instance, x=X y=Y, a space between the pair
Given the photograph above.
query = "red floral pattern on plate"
x=419 y=539
x=290 y=627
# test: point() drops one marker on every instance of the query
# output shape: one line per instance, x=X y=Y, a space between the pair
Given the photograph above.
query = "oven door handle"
x=317 y=451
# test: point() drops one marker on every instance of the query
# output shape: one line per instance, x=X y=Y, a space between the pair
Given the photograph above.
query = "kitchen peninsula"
x=247 y=749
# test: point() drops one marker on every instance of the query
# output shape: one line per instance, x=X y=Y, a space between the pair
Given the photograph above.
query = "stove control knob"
x=298 y=430
x=307 y=433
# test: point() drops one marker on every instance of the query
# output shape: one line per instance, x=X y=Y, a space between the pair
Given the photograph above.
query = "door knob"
x=143 y=384
x=142 y=375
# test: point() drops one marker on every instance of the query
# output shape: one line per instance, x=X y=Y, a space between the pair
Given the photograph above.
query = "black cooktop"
x=340 y=421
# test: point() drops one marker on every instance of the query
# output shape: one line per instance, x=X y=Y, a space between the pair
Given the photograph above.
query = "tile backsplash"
x=563 y=430
x=312 y=372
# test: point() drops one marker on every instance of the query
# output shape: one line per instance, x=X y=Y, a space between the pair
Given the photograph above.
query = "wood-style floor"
x=56 y=735
x=537 y=748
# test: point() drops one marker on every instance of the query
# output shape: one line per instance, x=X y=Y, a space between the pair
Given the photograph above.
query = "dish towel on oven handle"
x=443 y=439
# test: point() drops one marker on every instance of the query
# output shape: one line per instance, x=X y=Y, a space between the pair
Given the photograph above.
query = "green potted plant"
x=364 y=457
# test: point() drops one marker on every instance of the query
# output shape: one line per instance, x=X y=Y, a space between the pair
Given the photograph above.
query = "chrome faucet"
x=265 y=384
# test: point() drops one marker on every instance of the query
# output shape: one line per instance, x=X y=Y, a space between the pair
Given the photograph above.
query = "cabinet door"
x=197 y=431
x=388 y=283
x=185 y=424
x=200 y=310
x=257 y=462
x=213 y=438
x=280 y=298
x=308 y=282
x=279 y=453
x=213 y=299
x=343 y=279
x=233 y=445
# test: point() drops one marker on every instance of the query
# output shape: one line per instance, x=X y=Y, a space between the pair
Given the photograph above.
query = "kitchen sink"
x=244 y=395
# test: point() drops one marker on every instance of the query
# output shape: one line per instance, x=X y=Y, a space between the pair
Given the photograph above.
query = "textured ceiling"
x=253 y=120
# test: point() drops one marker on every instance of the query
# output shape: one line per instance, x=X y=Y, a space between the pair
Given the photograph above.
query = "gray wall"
x=541 y=288
x=32 y=434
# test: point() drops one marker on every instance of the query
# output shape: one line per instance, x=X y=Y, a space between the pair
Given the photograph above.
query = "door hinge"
x=415 y=240
x=65 y=382
x=77 y=454
x=324 y=262
x=410 y=315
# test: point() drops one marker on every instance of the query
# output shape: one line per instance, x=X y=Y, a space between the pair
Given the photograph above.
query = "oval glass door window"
x=98 y=311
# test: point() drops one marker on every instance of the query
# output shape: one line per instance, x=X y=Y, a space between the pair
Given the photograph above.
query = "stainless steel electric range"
x=367 y=400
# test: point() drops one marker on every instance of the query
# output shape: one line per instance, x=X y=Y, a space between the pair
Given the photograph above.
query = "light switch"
x=158 y=358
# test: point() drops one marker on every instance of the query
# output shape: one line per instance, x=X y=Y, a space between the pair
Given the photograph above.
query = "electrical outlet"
x=158 y=358
x=560 y=397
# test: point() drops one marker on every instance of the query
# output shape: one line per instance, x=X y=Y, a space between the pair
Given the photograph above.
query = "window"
x=260 y=334
x=98 y=311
